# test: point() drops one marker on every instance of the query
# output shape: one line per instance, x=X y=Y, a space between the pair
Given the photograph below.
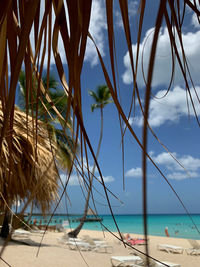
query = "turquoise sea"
x=179 y=226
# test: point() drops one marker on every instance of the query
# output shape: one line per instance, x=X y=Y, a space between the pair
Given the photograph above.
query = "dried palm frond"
x=27 y=166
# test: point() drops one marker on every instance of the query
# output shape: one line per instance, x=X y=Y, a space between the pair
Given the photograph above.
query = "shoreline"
x=120 y=214
x=178 y=225
x=54 y=254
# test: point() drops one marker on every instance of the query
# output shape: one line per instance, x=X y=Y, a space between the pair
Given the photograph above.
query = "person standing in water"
x=166 y=231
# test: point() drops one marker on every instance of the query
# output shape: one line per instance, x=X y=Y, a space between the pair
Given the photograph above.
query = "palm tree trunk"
x=74 y=233
x=5 y=227
x=6 y=220
x=31 y=211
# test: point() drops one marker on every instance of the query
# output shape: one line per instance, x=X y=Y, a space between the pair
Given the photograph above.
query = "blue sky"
x=168 y=117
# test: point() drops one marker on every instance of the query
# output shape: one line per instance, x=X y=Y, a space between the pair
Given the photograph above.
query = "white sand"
x=54 y=254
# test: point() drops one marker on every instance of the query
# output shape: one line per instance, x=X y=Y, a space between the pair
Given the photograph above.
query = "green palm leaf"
x=59 y=99
x=102 y=97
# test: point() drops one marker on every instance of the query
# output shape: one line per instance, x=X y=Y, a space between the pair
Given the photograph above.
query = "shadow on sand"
x=23 y=241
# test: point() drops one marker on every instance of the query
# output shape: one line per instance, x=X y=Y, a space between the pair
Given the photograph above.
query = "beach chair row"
x=193 y=250
x=86 y=243
x=137 y=261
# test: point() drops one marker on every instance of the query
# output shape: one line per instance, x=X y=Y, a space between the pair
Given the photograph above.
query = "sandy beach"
x=54 y=254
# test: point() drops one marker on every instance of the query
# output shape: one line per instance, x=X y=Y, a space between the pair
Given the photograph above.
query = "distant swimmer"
x=166 y=231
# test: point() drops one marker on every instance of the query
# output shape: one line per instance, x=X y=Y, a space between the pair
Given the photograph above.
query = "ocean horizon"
x=179 y=225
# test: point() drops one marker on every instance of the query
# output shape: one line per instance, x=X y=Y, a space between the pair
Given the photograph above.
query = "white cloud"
x=189 y=162
x=163 y=62
x=118 y=19
x=195 y=21
x=137 y=173
x=170 y=108
x=73 y=180
x=191 y=165
x=165 y=159
x=182 y=175
x=86 y=167
x=60 y=43
x=132 y=10
x=134 y=172
x=107 y=179
x=96 y=28
x=189 y=9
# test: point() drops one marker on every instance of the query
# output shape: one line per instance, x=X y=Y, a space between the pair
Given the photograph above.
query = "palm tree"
x=102 y=97
x=59 y=98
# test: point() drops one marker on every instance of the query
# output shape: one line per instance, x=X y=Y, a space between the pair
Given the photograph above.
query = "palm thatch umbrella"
x=27 y=165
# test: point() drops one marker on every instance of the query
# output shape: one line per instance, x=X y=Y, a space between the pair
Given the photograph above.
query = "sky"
x=175 y=126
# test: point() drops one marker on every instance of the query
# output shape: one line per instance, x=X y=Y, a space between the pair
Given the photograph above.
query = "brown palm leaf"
x=27 y=166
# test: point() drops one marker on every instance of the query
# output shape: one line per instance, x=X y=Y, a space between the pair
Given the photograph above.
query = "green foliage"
x=32 y=93
x=38 y=104
x=102 y=97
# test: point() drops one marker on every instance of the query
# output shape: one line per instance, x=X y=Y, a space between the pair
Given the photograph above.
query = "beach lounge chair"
x=20 y=233
x=65 y=238
x=98 y=245
x=75 y=243
x=153 y=263
x=136 y=241
x=119 y=261
x=78 y=245
x=133 y=241
x=195 y=247
x=158 y=264
x=170 y=248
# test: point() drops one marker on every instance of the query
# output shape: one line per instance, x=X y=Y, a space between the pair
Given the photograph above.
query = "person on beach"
x=128 y=237
x=134 y=241
x=166 y=231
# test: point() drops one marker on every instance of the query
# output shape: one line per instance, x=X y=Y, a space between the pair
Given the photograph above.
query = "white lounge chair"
x=98 y=245
x=75 y=239
x=157 y=264
x=78 y=245
x=142 y=261
x=20 y=233
x=124 y=260
x=195 y=247
x=170 y=248
x=65 y=238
